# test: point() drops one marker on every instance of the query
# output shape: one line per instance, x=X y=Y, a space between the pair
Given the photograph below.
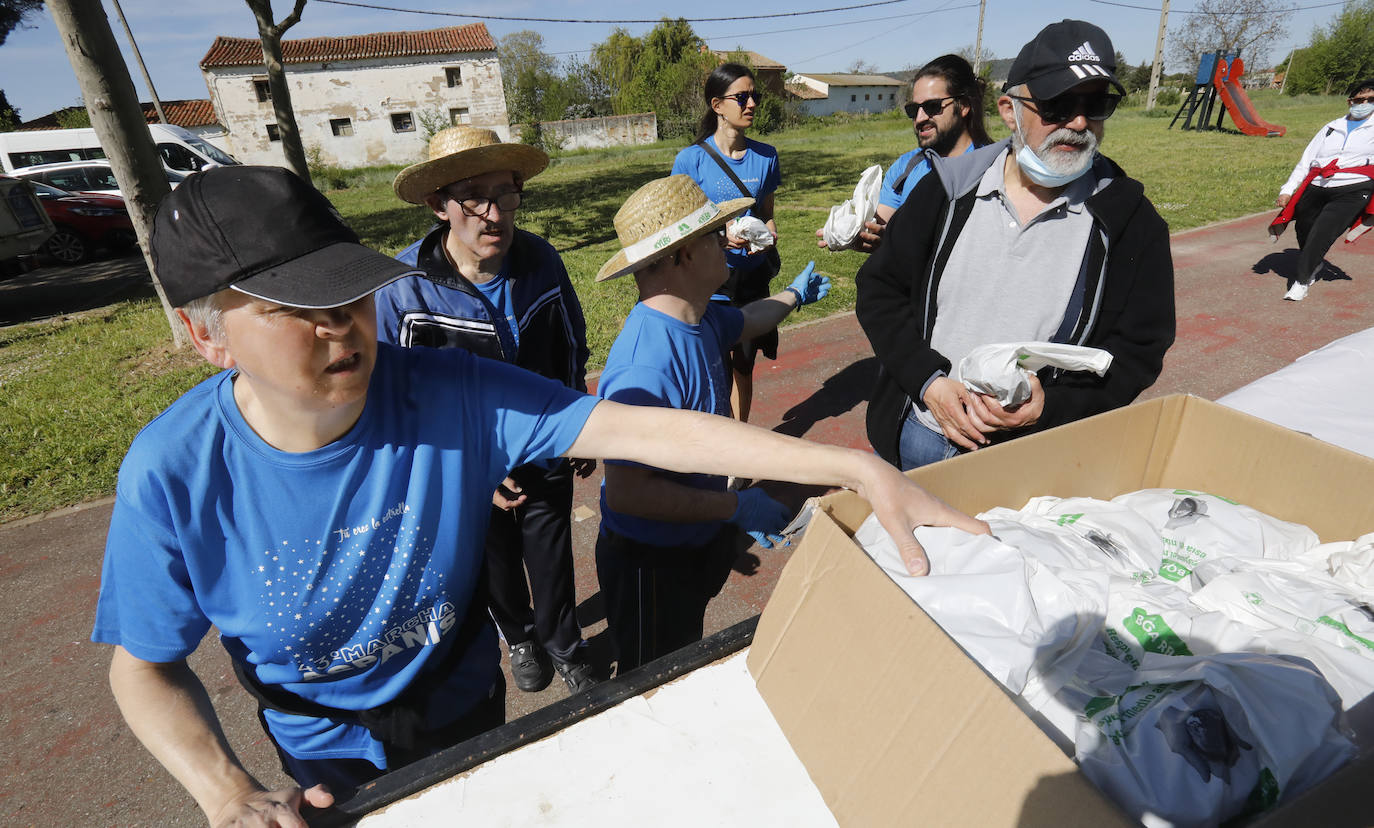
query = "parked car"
x=84 y=176
x=84 y=222
x=24 y=225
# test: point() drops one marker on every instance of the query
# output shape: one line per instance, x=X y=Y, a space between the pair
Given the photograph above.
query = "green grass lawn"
x=73 y=392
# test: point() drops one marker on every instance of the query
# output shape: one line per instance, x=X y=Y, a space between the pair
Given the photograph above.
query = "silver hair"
x=207 y=312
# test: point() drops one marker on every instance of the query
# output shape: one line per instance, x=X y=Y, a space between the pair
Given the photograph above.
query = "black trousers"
x=1322 y=215
x=656 y=596
x=345 y=776
x=535 y=538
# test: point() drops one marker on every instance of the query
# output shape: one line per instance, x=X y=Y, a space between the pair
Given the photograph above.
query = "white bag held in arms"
x=1002 y=370
x=847 y=219
x=753 y=231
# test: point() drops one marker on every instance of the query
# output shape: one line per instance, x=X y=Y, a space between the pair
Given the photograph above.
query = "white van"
x=180 y=149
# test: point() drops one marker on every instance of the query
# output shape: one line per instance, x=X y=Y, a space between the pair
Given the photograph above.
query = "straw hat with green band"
x=661 y=217
x=463 y=152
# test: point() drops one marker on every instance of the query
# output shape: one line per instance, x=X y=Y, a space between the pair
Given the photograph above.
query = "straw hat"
x=662 y=216
x=463 y=152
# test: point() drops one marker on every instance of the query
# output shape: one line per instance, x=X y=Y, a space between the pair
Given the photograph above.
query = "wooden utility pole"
x=138 y=56
x=270 y=34
x=118 y=120
x=1158 y=68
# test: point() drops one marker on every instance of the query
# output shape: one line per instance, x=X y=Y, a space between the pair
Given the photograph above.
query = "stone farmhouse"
x=359 y=100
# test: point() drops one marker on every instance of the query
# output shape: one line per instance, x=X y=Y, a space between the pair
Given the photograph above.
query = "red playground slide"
x=1238 y=105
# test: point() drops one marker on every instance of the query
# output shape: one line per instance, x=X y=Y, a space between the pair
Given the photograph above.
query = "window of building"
x=341 y=126
x=453 y=75
x=402 y=122
x=459 y=115
x=273 y=134
x=263 y=90
x=892 y=96
x=865 y=97
x=853 y=98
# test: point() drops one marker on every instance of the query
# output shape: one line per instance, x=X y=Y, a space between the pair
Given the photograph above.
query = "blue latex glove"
x=809 y=285
x=761 y=517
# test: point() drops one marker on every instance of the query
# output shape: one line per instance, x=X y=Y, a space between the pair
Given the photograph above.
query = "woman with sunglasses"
x=727 y=164
x=1329 y=190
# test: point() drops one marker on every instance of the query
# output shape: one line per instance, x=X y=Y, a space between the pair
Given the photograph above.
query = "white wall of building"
x=855 y=99
x=365 y=93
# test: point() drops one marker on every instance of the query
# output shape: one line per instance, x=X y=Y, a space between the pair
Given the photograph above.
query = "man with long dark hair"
x=946 y=111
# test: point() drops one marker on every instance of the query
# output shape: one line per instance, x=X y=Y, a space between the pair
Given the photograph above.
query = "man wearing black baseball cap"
x=323 y=503
x=1035 y=238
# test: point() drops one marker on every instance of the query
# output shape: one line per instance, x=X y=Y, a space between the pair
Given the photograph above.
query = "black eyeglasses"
x=1095 y=106
x=931 y=108
x=740 y=97
x=1363 y=100
x=481 y=207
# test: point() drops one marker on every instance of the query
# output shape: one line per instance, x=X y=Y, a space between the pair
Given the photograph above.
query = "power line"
x=888 y=32
x=577 y=20
x=1189 y=11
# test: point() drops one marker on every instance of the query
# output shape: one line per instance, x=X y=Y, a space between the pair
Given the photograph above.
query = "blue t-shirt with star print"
x=333 y=573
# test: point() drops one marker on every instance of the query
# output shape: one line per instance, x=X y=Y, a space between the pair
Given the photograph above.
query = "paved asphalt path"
x=68 y=759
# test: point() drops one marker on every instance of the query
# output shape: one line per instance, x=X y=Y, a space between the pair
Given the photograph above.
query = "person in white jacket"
x=1329 y=190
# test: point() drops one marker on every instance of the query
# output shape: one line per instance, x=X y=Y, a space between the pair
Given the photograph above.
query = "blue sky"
x=173 y=35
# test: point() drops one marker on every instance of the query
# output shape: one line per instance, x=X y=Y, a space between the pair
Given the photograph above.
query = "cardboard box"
x=896 y=726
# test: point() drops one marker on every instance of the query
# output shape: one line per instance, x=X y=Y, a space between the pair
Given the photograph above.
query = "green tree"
x=671 y=72
x=9 y=116
x=12 y=14
x=529 y=74
x=74 y=117
x=613 y=62
x=1338 y=55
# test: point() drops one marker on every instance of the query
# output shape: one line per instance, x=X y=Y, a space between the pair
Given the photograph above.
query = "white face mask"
x=1035 y=167
x=1359 y=112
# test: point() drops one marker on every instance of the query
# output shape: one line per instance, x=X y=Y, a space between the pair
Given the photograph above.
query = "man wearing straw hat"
x=667 y=540
x=502 y=293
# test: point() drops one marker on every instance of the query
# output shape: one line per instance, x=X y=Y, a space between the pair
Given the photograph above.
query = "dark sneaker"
x=577 y=675
x=530 y=667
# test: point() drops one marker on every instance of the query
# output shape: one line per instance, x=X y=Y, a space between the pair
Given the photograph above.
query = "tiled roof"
x=849 y=79
x=756 y=60
x=803 y=92
x=193 y=113
x=247 y=51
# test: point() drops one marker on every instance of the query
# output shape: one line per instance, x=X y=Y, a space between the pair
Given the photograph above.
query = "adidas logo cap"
x=1063 y=55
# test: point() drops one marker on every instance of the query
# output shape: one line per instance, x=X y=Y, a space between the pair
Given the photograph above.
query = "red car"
x=84 y=222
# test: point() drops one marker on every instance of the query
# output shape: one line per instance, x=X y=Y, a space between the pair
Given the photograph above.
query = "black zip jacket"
x=1123 y=302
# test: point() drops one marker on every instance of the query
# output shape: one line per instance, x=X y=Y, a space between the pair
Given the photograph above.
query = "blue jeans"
x=920 y=446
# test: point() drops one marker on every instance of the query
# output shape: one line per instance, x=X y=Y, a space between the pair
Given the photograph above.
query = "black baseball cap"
x=1061 y=56
x=267 y=233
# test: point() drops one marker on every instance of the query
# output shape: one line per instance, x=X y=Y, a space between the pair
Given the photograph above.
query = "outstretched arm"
x=169 y=711
x=688 y=441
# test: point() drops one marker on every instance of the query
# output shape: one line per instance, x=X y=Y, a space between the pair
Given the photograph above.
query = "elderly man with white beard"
x=1034 y=238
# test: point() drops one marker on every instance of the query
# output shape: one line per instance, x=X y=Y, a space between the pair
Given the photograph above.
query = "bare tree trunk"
x=118 y=120
x=271 y=33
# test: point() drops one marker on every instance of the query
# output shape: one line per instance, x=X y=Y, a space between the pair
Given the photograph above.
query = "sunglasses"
x=1363 y=99
x=741 y=97
x=931 y=108
x=1095 y=106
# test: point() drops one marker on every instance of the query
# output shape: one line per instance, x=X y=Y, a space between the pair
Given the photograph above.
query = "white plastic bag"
x=1001 y=370
x=752 y=230
x=847 y=219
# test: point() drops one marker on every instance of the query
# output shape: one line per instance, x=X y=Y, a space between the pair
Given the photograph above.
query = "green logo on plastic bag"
x=1155 y=634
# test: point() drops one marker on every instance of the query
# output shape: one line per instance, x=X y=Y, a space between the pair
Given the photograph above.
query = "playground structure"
x=1218 y=78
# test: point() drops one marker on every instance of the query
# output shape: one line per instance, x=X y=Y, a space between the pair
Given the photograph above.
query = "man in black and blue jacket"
x=502 y=293
x=1037 y=238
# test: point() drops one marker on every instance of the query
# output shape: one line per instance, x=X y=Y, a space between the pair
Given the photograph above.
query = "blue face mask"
x=1035 y=167
x=1359 y=112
